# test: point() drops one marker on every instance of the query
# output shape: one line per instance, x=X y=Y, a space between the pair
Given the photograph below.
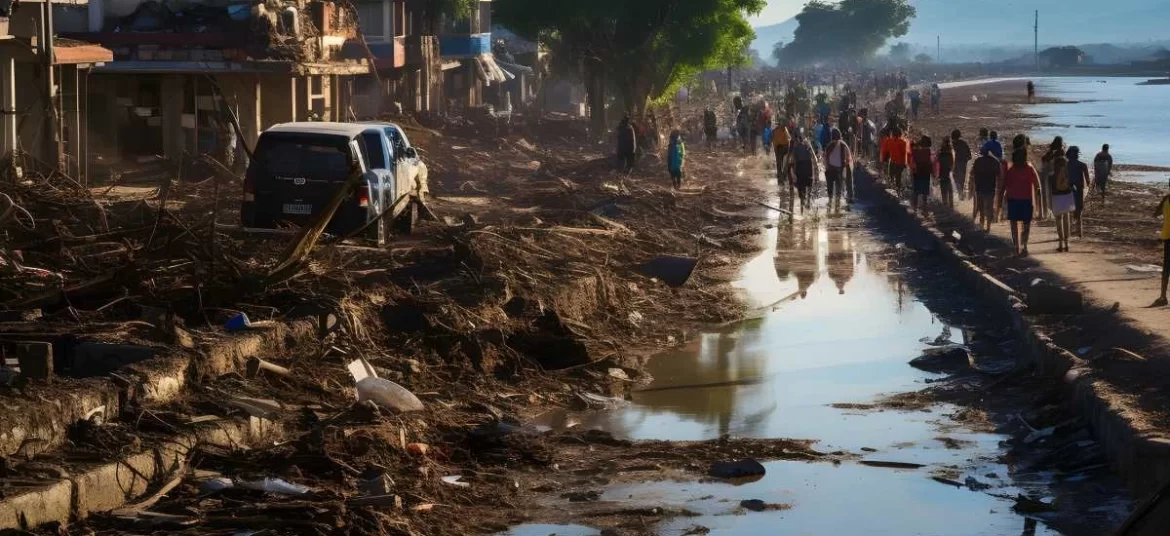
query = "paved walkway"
x=1104 y=271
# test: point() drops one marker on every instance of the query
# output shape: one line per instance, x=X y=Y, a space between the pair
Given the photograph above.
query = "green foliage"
x=648 y=47
x=456 y=9
x=852 y=30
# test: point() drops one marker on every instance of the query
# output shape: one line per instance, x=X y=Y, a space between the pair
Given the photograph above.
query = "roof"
x=321 y=127
x=72 y=55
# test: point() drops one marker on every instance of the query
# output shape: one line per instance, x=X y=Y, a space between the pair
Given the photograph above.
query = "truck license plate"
x=293 y=208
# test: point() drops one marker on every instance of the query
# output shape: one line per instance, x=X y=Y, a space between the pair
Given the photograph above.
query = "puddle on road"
x=835 y=326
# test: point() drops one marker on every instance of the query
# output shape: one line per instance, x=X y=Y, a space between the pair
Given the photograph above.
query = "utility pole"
x=938 y=48
x=51 y=153
x=1036 y=39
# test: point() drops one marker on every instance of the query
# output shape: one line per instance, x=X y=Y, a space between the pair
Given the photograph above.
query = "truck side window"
x=375 y=150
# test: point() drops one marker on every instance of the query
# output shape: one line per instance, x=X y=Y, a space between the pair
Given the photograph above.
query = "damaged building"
x=181 y=71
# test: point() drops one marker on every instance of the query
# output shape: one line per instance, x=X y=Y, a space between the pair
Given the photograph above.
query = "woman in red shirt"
x=1019 y=184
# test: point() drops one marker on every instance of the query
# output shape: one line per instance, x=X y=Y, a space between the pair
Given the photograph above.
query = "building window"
x=372 y=20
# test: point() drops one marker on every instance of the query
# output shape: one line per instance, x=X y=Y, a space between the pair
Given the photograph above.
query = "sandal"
x=1160 y=302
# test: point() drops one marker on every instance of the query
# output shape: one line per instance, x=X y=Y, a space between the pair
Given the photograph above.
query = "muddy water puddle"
x=835 y=328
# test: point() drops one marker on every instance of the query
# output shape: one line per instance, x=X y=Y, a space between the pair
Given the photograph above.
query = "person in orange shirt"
x=895 y=152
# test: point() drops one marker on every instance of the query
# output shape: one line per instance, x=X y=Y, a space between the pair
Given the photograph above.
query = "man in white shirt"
x=838 y=170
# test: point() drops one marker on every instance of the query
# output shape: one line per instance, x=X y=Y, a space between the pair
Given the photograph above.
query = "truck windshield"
x=320 y=157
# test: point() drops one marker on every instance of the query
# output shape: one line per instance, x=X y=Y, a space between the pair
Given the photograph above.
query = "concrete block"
x=111 y=485
x=29 y=509
x=35 y=359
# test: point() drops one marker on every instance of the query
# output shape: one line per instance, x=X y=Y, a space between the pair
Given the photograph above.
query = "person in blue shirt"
x=993 y=146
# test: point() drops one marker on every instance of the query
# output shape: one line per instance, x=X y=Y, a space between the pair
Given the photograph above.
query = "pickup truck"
x=298 y=167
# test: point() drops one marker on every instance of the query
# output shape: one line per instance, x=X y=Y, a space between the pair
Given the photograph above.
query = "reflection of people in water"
x=805 y=261
x=840 y=260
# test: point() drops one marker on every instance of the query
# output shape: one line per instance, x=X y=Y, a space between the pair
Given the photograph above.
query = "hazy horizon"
x=1061 y=22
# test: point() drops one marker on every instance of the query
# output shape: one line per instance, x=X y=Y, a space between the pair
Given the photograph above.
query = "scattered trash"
x=239 y=322
x=1028 y=505
x=618 y=374
x=455 y=480
x=418 y=449
x=737 y=469
x=635 y=318
x=380 y=485
x=274 y=485
x=258 y=407
x=1144 y=268
x=974 y=484
x=215 y=485
x=757 y=505
x=382 y=392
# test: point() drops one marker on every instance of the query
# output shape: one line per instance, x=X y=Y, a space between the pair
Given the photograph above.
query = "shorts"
x=1063 y=203
x=986 y=204
x=1019 y=210
x=922 y=185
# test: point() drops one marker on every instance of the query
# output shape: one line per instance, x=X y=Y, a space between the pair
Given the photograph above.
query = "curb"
x=1142 y=459
x=36 y=425
x=110 y=485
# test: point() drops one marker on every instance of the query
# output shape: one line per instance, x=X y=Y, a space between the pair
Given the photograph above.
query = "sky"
x=778 y=11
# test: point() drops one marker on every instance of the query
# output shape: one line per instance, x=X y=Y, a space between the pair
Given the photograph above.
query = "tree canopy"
x=646 y=48
x=852 y=30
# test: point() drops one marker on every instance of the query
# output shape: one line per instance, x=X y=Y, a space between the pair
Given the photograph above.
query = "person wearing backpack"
x=804 y=166
x=962 y=159
x=781 y=141
x=676 y=155
x=945 y=161
x=923 y=166
x=1102 y=169
x=1056 y=150
x=838 y=170
x=1063 y=201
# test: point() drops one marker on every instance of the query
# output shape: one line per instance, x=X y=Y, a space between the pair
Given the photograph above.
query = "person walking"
x=1163 y=210
x=781 y=141
x=1031 y=92
x=993 y=144
x=710 y=127
x=935 y=98
x=676 y=155
x=945 y=161
x=895 y=154
x=986 y=174
x=804 y=165
x=924 y=169
x=1020 y=184
x=838 y=171
x=1063 y=202
x=1047 y=168
x=627 y=145
x=1078 y=177
x=984 y=135
x=962 y=160
x=1102 y=169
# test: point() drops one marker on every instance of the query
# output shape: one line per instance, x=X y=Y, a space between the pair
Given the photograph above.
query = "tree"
x=852 y=30
x=432 y=11
x=923 y=59
x=644 y=48
x=778 y=52
x=900 y=53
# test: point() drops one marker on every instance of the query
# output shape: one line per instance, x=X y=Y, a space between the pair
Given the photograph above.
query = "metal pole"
x=938 y=48
x=1036 y=39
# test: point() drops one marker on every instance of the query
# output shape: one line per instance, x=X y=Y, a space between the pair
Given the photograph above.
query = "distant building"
x=1062 y=57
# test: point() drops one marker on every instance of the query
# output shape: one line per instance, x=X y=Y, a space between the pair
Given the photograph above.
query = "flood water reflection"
x=835 y=327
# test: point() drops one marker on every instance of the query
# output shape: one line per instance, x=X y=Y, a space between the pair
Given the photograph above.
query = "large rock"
x=738 y=469
x=943 y=359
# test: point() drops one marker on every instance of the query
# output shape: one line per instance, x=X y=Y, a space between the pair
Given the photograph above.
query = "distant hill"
x=1008 y=24
x=768 y=36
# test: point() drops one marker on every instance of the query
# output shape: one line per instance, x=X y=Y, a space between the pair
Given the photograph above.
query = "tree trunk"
x=595 y=94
